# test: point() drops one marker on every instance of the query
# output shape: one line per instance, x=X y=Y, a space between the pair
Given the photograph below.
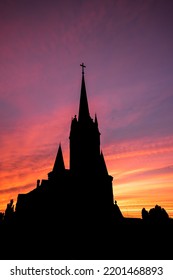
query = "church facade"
x=81 y=196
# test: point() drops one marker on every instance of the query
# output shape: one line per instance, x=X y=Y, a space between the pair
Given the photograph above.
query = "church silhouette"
x=72 y=214
x=82 y=194
x=75 y=202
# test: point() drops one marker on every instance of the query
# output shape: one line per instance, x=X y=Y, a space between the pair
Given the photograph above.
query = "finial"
x=83 y=66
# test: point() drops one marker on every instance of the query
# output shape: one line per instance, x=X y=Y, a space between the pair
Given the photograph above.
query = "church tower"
x=93 y=183
x=84 y=138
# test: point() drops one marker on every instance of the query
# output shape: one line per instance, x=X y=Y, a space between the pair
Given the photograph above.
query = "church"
x=72 y=214
x=79 y=199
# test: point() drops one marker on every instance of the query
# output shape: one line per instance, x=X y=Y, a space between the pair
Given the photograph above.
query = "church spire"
x=59 y=162
x=83 y=106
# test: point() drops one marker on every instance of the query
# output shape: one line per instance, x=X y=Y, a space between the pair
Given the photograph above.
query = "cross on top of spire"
x=83 y=66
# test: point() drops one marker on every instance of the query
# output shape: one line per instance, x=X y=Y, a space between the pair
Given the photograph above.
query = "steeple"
x=84 y=114
x=84 y=138
x=59 y=162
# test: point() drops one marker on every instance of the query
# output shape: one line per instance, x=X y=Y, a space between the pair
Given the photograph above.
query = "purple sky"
x=127 y=46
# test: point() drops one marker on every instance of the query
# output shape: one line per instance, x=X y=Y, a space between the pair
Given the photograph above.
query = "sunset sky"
x=127 y=47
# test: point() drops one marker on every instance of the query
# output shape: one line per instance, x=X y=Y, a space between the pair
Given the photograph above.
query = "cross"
x=83 y=66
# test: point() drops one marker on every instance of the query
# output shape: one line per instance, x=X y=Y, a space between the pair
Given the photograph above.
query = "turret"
x=59 y=167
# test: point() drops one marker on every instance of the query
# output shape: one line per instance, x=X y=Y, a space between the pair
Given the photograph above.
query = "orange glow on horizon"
x=133 y=188
x=142 y=170
x=143 y=177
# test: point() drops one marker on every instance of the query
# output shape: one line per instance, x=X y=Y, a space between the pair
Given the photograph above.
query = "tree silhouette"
x=145 y=214
x=9 y=213
x=156 y=214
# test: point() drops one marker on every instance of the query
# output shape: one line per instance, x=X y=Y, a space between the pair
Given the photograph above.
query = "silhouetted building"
x=80 y=197
x=72 y=214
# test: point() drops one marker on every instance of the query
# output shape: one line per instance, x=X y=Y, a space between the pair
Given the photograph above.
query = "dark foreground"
x=126 y=239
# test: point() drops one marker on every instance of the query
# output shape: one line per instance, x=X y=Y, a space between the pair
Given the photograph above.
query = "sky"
x=126 y=46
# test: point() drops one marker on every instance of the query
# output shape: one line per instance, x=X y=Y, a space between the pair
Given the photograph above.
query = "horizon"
x=127 y=49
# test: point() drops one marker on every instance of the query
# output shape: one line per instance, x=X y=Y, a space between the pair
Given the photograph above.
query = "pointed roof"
x=83 y=106
x=103 y=164
x=59 y=161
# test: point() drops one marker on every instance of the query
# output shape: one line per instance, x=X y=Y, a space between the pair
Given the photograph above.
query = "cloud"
x=164 y=173
x=138 y=148
x=13 y=190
